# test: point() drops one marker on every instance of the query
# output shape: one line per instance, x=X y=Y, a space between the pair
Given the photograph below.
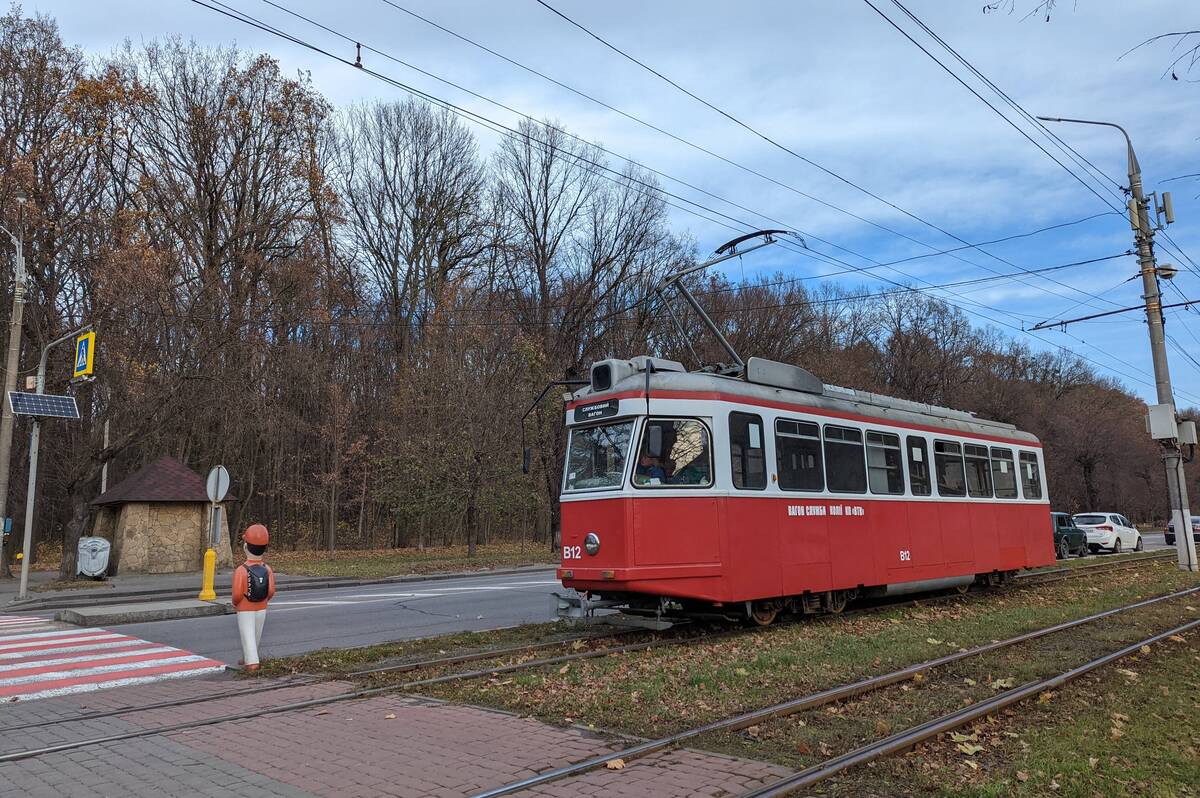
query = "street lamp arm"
x=1134 y=167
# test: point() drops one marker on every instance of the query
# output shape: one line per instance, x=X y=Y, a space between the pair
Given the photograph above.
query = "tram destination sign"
x=597 y=410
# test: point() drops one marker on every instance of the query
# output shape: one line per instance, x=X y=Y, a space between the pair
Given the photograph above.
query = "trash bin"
x=93 y=556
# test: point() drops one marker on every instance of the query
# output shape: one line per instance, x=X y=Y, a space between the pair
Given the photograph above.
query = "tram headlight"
x=591 y=543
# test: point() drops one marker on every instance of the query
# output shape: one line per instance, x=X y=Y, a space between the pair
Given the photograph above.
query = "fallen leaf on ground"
x=615 y=764
x=1145 y=649
x=1093 y=761
x=742 y=672
x=882 y=727
x=964 y=738
x=578 y=644
x=1128 y=673
x=1176 y=639
x=390 y=716
x=802 y=748
x=970 y=749
x=1022 y=776
x=1045 y=697
x=918 y=677
x=825 y=749
x=933 y=641
x=1116 y=733
x=971 y=765
x=565 y=668
x=1054 y=785
x=970 y=682
x=1004 y=684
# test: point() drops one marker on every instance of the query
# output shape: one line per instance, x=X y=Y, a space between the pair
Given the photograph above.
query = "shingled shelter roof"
x=164 y=480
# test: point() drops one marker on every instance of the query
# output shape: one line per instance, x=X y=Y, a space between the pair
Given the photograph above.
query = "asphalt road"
x=347 y=617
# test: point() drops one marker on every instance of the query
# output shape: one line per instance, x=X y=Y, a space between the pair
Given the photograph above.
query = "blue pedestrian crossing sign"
x=85 y=353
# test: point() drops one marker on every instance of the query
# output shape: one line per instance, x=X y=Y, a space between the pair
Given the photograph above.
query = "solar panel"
x=42 y=404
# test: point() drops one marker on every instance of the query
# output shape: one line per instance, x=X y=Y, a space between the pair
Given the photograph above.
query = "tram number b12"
x=905 y=555
x=572 y=552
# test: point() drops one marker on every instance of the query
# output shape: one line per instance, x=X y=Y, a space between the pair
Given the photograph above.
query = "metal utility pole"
x=34 y=436
x=1164 y=420
x=11 y=364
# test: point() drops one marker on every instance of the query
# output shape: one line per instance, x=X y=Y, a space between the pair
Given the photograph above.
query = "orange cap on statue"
x=256 y=535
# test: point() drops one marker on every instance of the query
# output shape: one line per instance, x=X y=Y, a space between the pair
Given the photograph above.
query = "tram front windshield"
x=596 y=456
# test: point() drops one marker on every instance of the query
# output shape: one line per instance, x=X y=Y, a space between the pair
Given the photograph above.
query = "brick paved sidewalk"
x=388 y=745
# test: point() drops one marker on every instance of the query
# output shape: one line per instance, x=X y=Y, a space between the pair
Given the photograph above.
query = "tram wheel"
x=963 y=589
x=763 y=613
x=836 y=601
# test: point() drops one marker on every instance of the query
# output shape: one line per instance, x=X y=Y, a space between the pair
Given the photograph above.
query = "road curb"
x=124 y=613
x=309 y=583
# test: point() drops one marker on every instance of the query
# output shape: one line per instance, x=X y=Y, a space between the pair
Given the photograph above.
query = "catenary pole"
x=1172 y=453
x=11 y=365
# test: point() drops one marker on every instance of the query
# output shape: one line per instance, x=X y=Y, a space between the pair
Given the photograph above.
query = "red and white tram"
x=769 y=491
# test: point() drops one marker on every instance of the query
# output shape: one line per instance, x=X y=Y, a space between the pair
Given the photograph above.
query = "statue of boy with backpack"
x=253 y=587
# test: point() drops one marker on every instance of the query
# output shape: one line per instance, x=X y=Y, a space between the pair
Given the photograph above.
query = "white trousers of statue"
x=250 y=626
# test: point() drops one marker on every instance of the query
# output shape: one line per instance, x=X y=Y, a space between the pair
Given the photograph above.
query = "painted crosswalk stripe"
x=41 y=658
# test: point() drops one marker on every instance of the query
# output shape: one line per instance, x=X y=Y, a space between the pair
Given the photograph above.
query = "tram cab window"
x=798 y=455
x=979 y=471
x=948 y=463
x=884 y=471
x=747 y=451
x=1004 y=473
x=845 y=468
x=918 y=466
x=596 y=456
x=674 y=452
x=1031 y=476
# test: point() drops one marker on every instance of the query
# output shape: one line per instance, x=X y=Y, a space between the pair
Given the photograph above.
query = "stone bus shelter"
x=157 y=520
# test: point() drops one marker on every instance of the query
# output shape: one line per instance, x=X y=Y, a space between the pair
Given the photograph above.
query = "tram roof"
x=824 y=397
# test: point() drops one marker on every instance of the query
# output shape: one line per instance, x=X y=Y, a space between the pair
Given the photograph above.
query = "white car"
x=1110 y=531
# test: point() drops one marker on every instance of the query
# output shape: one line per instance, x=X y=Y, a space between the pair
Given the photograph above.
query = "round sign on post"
x=218 y=484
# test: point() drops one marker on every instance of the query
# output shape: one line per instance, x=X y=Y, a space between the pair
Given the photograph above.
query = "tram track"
x=896 y=742
x=1031 y=579
x=913 y=736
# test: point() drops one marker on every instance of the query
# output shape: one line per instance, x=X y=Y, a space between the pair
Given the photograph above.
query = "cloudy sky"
x=841 y=88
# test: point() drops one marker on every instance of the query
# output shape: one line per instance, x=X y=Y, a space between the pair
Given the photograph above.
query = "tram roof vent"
x=782 y=375
x=642 y=362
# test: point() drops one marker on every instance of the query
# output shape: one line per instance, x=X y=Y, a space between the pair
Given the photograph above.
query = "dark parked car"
x=1068 y=538
x=1195 y=531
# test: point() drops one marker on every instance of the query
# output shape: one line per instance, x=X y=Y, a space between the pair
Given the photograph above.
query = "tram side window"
x=948 y=462
x=747 y=451
x=979 y=471
x=884 y=471
x=918 y=466
x=1004 y=473
x=682 y=457
x=798 y=455
x=1031 y=476
x=845 y=468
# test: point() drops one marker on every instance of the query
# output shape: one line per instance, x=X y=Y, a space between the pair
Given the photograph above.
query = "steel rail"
x=176 y=702
x=493 y=653
x=814 y=700
x=918 y=734
x=473 y=656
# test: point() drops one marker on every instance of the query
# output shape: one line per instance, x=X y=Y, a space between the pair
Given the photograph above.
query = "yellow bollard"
x=207 y=593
